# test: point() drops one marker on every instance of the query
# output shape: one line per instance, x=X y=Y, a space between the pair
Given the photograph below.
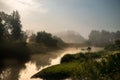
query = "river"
x=31 y=68
x=39 y=62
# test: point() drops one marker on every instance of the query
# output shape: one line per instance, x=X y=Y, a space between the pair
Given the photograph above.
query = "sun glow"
x=25 y=5
x=20 y=4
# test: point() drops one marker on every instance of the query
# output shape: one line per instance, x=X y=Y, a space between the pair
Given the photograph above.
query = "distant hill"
x=70 y=37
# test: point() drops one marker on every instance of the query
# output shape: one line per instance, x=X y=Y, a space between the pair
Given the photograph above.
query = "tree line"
x=14 y=48
x=103 y=38
x=13 y=39
x=11 y=27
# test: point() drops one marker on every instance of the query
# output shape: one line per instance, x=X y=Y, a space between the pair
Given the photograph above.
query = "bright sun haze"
x=61 y=15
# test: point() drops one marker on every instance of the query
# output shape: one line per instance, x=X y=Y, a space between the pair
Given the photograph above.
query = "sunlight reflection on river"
x=31 y=68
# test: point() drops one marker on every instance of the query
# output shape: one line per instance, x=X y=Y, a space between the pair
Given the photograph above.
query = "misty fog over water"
x=37 y=63
x=52 y=60
x=36 y=35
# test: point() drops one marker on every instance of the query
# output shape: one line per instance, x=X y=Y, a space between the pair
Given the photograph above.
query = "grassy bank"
x=103 y=65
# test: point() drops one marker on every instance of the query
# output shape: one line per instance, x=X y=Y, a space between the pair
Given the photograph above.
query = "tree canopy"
x=12 y=27
x=103 y=38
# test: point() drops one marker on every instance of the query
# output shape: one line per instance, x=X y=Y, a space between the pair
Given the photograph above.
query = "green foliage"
x=81 y=57
x=75 y=70
x=67 y=58
x=111 y=66
x=87 y=70
x=84 y=67
x=46 y=38
x=59 y=71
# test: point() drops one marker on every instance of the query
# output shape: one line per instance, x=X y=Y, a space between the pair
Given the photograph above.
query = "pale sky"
x=61 y=15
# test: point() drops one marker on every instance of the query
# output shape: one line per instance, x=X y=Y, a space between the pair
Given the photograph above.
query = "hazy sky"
x=61 y=15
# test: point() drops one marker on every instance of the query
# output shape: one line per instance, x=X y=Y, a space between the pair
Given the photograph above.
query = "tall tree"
x=16 y=26
x=1 y=30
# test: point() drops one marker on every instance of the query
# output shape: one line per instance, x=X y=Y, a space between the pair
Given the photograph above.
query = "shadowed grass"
x=82 y=68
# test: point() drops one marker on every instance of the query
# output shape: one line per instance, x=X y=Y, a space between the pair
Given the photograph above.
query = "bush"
x=67 y=58
x=46 y=38
x=81 y=57
x=110 y=67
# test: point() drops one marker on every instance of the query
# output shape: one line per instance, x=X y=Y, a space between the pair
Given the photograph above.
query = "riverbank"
x=103 y=65
x=41 y=61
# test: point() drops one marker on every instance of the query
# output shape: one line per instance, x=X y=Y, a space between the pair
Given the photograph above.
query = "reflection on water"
x=37 y=63
x=71 y=51
x=25 y=74
x=31 y=68
x=4 y=75
x=10 y=73
x=67 y=51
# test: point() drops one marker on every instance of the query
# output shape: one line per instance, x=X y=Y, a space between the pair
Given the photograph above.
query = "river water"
x=37 y=63
x=31 y=68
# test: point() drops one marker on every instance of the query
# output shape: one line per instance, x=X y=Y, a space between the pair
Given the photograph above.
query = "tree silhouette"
x=1 y=30
x=103 y=38
x=16 y=25
x=46 y=38
x=13 y=25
